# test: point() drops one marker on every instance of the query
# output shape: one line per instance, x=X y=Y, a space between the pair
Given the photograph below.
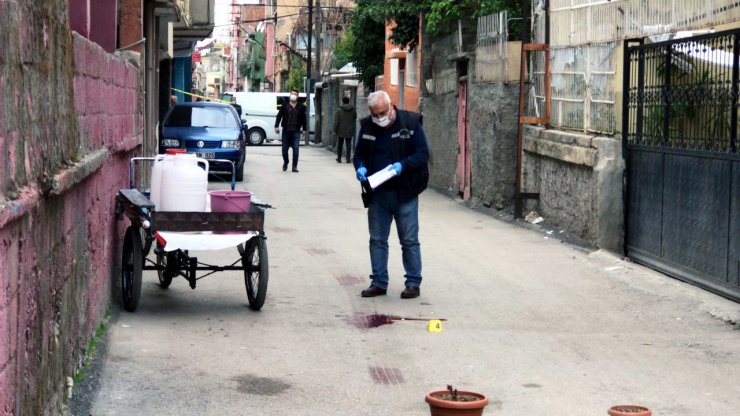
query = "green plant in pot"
x=452 y=402
x=629 y=410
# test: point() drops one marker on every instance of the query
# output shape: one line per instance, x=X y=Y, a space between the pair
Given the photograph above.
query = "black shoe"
x=348 y=161
x=285 y=167
x=295 y=169
x=410 y=292
x=339 y=160
x=372 y=291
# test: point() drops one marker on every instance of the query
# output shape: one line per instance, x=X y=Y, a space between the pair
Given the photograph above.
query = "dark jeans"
x=384 y=209
x=291 y=139
x=344 y=141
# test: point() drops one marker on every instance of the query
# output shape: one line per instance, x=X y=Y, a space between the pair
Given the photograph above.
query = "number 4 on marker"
x=435 y=325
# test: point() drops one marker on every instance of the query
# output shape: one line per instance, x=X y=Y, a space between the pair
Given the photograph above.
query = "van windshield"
x=201 y=117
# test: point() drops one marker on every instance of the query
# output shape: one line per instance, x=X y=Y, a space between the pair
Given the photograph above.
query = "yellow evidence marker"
x=435 y=325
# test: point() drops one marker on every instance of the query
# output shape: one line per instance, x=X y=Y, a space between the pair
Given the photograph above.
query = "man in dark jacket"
x=292 y=118
x=236 y=106
x=344 y=127
x=394 y=140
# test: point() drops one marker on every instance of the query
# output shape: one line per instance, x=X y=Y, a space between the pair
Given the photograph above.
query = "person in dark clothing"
x=344 y=127
x=393 y=139
x=237 y=107
x=292 y=118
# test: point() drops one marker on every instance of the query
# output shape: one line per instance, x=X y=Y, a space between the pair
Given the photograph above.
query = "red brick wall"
x=131 y=30
x=70 y=122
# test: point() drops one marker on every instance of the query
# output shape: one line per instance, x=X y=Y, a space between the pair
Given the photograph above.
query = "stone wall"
x=579 y=179
x=493 y=112
x=440 y=126
x=493 y=135
x=69 y=121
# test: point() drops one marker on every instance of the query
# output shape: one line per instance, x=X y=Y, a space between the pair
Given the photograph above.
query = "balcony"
x=195 y=19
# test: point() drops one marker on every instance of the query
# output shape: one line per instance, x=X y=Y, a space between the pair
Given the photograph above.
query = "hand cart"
x=174 y=234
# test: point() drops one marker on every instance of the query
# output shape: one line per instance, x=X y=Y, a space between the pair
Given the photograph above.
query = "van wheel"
x=255 y=136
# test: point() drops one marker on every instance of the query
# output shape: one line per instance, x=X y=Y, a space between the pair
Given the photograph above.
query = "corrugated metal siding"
x=575 y=22
x=490 y=54
x=581 y=87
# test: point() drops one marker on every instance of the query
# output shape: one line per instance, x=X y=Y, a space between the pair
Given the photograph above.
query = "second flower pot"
x=472 y=404
x=629 y=410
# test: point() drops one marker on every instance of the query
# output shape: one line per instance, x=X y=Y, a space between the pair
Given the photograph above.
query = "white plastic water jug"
x=184 y=184
x=155 y=191
x=160 y=162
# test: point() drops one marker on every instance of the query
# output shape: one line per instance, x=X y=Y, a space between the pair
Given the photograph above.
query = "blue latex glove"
x=397 y=167
x=361 y=172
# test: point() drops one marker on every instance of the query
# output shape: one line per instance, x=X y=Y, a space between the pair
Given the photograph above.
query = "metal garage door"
x=682 y=190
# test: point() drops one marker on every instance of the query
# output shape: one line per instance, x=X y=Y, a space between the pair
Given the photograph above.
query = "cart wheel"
x=165 y=279
x=256 y=275
x=131 y=265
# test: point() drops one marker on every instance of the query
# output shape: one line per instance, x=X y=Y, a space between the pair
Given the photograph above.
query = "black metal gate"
x=682 y=185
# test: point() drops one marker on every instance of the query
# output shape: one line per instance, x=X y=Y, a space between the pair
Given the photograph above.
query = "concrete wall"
x=579 y=179
x=69 y=121
x=493 y=122
x=493 y=136
x=493 y=113
x=440 y=126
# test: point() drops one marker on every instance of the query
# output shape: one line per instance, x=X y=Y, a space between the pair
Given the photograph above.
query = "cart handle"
x=233 y=170
x=153 y=159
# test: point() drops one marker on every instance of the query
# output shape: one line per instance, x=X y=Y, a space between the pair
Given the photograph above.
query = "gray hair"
x=377 y=97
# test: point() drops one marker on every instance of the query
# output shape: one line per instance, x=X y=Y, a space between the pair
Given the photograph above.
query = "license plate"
x=206 y=155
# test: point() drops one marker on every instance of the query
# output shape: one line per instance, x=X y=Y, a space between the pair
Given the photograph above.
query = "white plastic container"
x=155 y=190
x=160 y=162
x=184 y=185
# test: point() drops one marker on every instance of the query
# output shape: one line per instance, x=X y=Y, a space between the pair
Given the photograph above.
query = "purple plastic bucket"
x=230 y=201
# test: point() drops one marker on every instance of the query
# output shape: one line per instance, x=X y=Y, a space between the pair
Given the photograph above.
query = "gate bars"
x=683 y=93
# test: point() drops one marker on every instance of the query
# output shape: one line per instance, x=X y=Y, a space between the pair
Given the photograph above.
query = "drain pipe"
x=518 y=197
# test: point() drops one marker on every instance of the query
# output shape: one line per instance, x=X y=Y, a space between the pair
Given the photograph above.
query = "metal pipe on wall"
x=151 y=88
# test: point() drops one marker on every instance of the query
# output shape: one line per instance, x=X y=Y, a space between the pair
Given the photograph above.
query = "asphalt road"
x=540 y=326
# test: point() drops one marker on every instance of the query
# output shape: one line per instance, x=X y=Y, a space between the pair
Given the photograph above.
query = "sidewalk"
x=540 y=326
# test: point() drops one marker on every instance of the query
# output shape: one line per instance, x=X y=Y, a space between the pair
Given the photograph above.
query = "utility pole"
x=319 y=38
x=308 y=66
x=308 y=46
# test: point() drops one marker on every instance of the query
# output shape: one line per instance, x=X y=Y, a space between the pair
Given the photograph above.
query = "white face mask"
x=383 y=121
x=293 y=98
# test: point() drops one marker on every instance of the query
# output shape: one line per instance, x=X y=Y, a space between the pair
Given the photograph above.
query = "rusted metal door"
x=463 y=141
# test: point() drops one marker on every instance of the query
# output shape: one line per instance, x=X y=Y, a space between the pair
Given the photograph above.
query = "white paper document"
x=379 y=177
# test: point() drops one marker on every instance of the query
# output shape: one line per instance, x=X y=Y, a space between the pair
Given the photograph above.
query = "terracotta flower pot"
x=629 y=410
x=441 y=407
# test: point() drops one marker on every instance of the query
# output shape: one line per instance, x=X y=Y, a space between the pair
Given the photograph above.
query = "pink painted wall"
x=71 y=118
x=95 y=20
